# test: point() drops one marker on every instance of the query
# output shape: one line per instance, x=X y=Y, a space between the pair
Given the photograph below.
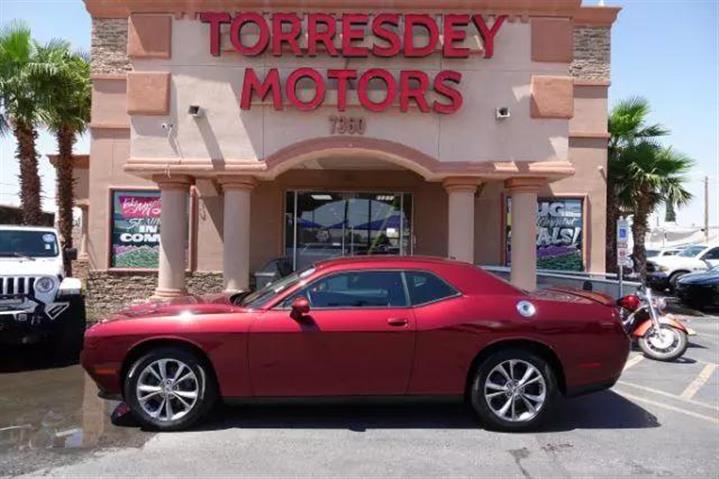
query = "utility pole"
x=706 y=209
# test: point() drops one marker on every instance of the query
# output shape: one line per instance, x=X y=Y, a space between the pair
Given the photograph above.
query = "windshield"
x=692 y=251
x=25 y=243
x=262 y=296
x=651 y=253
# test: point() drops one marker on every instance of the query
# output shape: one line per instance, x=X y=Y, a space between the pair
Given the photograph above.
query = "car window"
x=359 y=289
x=711 y=254
x=691 y=251
x=650 y=253
x=426 y=287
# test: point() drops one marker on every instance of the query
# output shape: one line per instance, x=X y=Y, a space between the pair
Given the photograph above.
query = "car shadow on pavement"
x=603 y=410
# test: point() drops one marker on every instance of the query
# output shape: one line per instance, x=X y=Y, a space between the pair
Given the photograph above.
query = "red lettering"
x=215 y=19
x=363 y=85
x=350 y=34
x=320 y=88
x=251 y=84
x=452 y=35
x=407 y=91
x=487 y=33
x=291 y=37
x=410 y=21
x=236 y=34
x=442 y=87
x=325 y=37
x=391 y=37
x=342 y=77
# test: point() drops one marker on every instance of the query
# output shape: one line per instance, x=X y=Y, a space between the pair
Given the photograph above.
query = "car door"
x=712 y=257
x=358 y=339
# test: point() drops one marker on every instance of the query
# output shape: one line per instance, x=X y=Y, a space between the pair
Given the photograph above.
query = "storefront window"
x=321 y=225
x=560 y=232
x=135 y=229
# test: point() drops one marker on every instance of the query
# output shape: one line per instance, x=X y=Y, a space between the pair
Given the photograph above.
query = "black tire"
x=480 y=403
x=69 y=331
x=677 y=350
x=206 y=389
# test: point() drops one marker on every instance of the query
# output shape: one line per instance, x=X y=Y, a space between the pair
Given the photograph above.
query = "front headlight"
x=45 y=284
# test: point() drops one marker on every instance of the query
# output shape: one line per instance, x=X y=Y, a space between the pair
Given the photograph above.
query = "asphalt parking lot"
x=661 y=419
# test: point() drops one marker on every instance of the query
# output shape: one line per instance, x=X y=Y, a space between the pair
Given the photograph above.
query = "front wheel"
x=667 y=344
x=513 y=390
x=169 y=389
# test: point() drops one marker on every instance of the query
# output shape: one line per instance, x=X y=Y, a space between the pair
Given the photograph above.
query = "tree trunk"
x=29 y=178
x=639 y=232
x=65 y=186
x=612 y=217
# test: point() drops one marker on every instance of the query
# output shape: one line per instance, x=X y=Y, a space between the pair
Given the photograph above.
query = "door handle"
x=397 y=322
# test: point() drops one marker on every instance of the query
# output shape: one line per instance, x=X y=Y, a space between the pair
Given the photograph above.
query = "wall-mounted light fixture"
x=195 y=111
x=503 y=113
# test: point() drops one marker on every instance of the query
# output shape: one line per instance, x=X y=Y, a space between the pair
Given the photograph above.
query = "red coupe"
x=362 y=326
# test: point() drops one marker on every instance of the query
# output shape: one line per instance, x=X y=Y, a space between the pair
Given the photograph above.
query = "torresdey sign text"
x=392 y=34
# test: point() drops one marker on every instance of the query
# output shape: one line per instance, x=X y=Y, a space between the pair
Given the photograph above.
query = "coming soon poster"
x=135 y=229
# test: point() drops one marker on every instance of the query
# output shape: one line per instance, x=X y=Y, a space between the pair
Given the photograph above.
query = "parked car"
x=363 y=326
x=37 y=302
x=663 y=273
x=700 y=290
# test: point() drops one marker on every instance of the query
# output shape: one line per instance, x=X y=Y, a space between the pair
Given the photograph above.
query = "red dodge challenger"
x=362 y=326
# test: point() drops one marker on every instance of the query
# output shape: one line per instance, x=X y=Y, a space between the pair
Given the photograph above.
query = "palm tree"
x=627 y=126
x=66 y=115
x=23 y=78
x=648 y=174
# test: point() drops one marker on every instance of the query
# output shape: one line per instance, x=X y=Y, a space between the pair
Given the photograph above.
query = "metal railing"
x=606 y=283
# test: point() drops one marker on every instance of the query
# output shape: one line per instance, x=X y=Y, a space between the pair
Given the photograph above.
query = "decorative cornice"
x=588 y=83
x=173 y=182
x=596 y=16
x=242 y=182
x=525 y=184
x=589 y=134
x=109 y=76
x=123 y=8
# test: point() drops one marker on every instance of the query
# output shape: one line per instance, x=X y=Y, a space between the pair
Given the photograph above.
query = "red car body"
x=417 y=350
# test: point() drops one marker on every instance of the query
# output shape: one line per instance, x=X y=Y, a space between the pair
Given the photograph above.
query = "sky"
x=664 y=50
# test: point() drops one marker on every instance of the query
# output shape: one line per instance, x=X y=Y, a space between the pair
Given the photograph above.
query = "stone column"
x=84 y=219
x=460 y=235
x=523 y=192
x=173 y=236
x=236 y=232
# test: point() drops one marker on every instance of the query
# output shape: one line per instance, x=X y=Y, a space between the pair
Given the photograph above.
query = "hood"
x=570 y=295
x=211 y=304
x=675 y=262
x=708 y=278
x=12 y=266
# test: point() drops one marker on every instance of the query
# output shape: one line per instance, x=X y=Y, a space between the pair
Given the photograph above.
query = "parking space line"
x=698 y=382
x=669 y=395
x=633 y=361
x=670 y=408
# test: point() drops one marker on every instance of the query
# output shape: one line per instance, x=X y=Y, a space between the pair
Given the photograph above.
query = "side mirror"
x=70 y=254
x=300 y=307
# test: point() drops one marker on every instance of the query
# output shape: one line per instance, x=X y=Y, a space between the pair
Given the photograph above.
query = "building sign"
x=560 y=231
x=392 y=35
x=135 y=227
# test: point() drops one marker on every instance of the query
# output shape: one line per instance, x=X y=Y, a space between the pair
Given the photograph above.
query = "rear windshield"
x=23 y=243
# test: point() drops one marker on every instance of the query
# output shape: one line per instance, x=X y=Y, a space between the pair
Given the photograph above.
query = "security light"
x=503 y=113
x=195 y=111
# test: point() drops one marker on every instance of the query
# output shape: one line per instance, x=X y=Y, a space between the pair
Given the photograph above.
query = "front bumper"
x=23 y=327
x=658 y=280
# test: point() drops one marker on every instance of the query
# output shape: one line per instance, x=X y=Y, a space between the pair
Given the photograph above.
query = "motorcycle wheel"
x=666 y=345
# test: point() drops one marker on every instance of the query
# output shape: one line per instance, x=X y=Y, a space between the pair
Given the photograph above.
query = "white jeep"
x=37 y=302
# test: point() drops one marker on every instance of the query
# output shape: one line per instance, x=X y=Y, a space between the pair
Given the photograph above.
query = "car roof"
x=388 y=261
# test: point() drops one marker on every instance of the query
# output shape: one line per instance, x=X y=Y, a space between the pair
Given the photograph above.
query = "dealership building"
x=228 y=134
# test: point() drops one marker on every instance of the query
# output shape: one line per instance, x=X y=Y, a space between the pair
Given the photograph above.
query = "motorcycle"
x=660 y=336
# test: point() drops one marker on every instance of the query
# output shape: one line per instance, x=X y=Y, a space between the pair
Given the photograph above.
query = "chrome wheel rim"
x=663 y=341
x=167 y=389
x=515 y=391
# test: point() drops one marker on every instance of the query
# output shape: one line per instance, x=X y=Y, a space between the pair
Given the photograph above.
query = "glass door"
x=322 y=225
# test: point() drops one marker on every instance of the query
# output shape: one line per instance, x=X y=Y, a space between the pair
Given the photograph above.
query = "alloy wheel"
x=515 y=391
x=167 y=389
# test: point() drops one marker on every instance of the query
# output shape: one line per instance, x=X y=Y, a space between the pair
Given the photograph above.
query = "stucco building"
x=229 y=133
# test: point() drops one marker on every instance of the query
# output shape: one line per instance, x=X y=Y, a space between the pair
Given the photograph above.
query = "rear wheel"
x=667 y=344
x=514 y=390
x=673 y=280
x=169 y=389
